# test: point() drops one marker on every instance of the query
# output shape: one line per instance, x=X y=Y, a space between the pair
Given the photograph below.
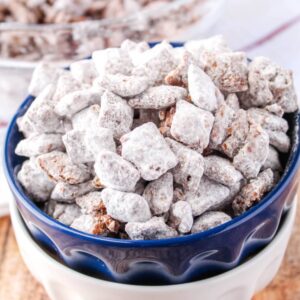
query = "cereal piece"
x=201 y=88
x=272 y=161
x=40 y=144
x=158 y=97
x=253 y=192
x=190 y=166
x=267 y=120
x=66 y=84
x=159 y=194
x=275 y=109
x=76 y=101
x=116 y=114
x=181 y=216
x=64 y=213
x=237 y=132
x=179 y=76
x=84 y=71
x=279 y=140
x=78 y=151
x=87 y=118
x=146 y=148
x=36 y=184
x=254 y=153
x=156 y=62
x=210 y=220
x=90 y=224
x=115 y=172
x=91 y=204
x=26 y=127
x=208 y=195
x=229 y=72
x=122 y=85
x=65 y=192
x=97 y=184
x=192 y=125
x=233 y=102
x=41 y=113
x=154 y=229
x=221 y=170
x=98 y=139
x=112 y=61
x=269 y=83
x=59 y=167
x=125 y=207
x=223 y=120
x=203 y=50
x=43 y=74
x=134 y=50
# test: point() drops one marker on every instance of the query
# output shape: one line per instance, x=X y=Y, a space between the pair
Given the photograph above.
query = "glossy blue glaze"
x=167 y=261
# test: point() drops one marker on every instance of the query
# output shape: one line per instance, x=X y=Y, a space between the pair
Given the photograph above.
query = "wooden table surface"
x=16 y=283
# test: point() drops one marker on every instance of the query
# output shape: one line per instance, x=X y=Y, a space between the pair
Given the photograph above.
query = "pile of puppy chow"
x=151 y=143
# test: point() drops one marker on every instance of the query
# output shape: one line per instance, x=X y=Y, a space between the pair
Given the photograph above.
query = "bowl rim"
x=276 y=242
x=293 y=165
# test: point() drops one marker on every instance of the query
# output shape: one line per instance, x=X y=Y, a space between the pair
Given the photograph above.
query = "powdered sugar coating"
x=229 y=72
x=40 y=144
x=159 y=194
x=208 y=195
x=126 y=207
x=34 y=181
x=158 y=97
x=112 y=61
x=115 y=114
x=192 y=125
x=272 y=161
x=59 y=167
x=201 y=88
x=91 y=203
x=154 y=229
x=237 y=131
x=269 y=83
x=76 y=101
x=156 y=62
x=253 y=191
x=181 y=216
x=64 y=213
x=84 y=71
x=223 y=119
x=115 y=172
x=64 y=192
x=280 y=140
x=146 y=148
x=190 y=166
x=254 y=153
x=221 y=170
x=267 y=120
x=44 y=74
x=122 y=85
x=86 y=118
x=210 y=220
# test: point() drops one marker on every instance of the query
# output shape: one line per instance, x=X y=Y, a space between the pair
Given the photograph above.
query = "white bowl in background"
x=241 y=283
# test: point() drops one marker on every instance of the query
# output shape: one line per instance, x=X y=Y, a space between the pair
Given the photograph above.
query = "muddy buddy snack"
x=153 y=143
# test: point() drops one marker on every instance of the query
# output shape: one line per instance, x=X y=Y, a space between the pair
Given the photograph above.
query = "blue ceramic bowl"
x=168 y=261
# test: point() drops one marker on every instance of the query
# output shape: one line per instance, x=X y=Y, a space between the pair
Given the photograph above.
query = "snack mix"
x=152 y=143
x=66 y=29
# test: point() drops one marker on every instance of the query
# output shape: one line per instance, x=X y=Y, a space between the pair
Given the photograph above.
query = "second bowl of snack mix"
x=156 y=164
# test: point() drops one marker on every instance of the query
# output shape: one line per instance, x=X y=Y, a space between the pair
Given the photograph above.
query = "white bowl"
x=241 y=283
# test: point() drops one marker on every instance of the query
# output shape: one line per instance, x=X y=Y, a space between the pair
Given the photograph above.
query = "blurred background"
x=63 y=30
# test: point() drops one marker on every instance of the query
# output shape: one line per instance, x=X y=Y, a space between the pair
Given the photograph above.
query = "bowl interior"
x=13 y=162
